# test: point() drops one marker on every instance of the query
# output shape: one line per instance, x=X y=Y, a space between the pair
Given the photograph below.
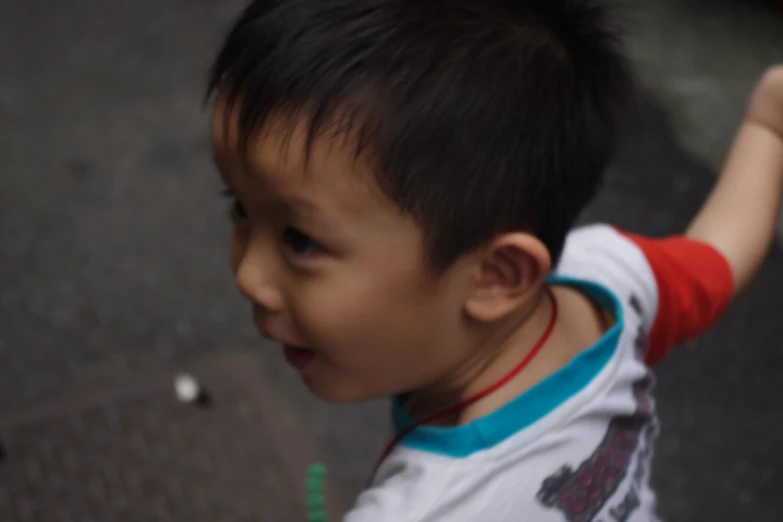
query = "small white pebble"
x=186 y=388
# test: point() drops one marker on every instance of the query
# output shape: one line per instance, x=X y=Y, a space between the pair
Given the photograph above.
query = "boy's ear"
x=508 y=274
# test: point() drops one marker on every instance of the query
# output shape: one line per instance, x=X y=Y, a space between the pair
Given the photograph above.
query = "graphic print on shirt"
x=583 y=493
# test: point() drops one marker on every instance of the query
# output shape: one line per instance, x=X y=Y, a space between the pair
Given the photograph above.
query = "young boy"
x=405 y=175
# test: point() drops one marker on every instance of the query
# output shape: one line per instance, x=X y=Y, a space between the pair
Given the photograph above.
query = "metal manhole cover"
x=135 y=453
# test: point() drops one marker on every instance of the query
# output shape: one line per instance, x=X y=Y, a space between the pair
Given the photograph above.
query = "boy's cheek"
x=331 y=320
x=360 y=336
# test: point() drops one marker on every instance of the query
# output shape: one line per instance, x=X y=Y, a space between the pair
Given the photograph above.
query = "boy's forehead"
x=279 y=159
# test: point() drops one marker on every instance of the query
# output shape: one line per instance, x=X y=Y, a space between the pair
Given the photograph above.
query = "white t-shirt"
x=577 y=446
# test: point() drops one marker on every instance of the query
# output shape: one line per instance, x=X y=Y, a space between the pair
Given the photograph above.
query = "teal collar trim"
x=531 y=406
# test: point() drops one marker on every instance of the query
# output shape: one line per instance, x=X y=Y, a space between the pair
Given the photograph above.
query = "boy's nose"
x=255 y=280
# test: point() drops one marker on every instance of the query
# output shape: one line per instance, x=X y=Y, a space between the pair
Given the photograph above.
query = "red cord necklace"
x=460 y=406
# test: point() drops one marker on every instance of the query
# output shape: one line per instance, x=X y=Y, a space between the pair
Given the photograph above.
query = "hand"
x=766 y=105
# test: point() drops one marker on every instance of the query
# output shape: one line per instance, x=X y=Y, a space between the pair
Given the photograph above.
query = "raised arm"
x=740 y=215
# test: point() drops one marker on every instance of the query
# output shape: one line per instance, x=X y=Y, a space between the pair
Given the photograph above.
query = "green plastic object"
x=318 y=470
x=314 y=488
x=317 y=515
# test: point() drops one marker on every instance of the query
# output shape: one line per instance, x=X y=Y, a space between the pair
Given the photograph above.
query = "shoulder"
x=678 y=285
x=604 y=255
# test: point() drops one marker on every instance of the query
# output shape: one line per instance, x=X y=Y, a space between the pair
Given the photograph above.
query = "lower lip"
x=299 y=358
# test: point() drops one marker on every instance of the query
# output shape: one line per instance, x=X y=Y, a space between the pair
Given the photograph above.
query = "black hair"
x=481 y=116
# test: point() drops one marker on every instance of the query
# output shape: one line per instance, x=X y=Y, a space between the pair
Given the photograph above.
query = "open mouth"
x=299 y=358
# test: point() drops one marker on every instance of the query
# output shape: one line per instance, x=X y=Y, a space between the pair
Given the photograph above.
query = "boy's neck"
x=499 y=353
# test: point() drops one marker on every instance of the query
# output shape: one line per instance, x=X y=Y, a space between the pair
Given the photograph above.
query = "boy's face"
x=333 y=268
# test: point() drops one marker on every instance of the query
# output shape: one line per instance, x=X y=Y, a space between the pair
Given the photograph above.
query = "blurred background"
x=114 y=278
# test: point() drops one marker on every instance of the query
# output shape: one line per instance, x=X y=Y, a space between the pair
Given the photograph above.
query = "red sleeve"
x=695 y=284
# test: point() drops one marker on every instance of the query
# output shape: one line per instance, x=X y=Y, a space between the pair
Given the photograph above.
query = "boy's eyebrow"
x=305 y=208
x=302 y=206
x=311 y=213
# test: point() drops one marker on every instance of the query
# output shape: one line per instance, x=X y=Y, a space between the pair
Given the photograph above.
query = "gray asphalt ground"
x=113 y=259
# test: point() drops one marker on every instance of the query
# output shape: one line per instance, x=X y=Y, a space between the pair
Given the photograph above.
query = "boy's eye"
x=236 y=209
x=299 y=242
